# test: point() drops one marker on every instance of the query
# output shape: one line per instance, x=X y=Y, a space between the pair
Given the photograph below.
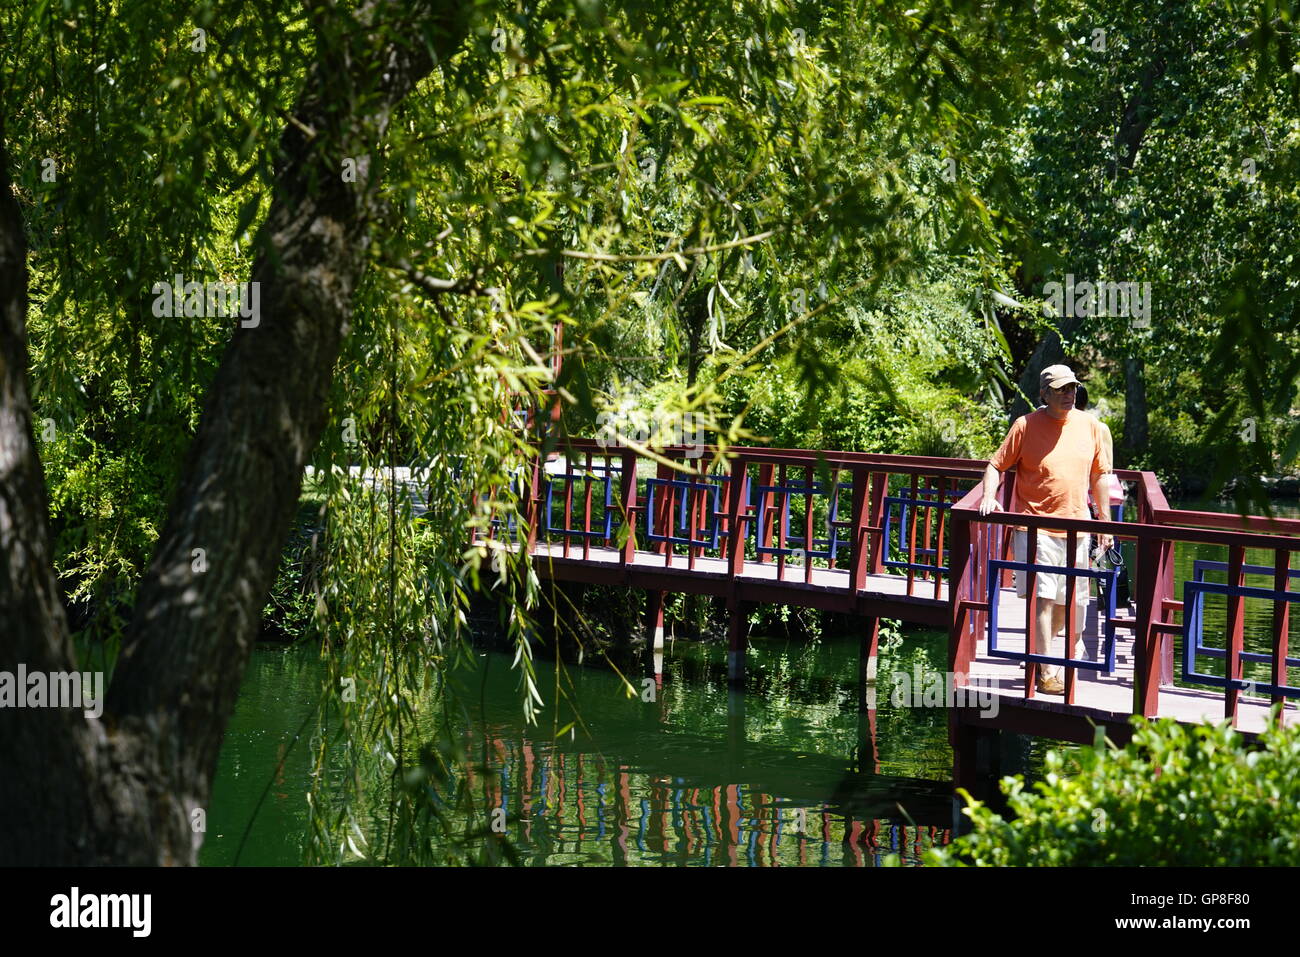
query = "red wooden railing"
x=749 y=484
x=746 y=488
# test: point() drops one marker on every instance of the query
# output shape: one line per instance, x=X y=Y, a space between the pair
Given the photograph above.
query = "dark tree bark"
x=1136 y=424
x=695 y=315
x=122 y=789
x=1139 y=111
x=45 y=753
x=1049 y=351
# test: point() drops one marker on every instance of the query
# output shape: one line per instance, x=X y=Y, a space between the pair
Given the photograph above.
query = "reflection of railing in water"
x=561 y=803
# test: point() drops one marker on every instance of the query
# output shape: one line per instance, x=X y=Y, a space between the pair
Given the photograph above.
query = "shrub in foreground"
x=1174 y=795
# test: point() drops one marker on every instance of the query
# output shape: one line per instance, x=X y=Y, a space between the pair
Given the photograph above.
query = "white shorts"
x=1051 y=551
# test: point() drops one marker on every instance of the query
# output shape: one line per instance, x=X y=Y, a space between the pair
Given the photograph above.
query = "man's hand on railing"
x=989 y=501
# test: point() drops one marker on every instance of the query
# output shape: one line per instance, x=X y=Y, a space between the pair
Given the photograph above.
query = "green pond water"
x=786 y=773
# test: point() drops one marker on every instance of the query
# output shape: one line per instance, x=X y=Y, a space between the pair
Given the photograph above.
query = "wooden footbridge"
x=888 y=536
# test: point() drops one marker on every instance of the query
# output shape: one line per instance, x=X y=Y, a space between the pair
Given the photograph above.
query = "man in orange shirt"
x=1059 y=452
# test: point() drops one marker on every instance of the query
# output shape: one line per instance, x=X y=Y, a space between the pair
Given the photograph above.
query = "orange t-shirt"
x=1055 y=460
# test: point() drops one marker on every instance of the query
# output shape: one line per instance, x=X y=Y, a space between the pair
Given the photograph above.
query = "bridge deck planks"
x=883 y=595
x=826 y=579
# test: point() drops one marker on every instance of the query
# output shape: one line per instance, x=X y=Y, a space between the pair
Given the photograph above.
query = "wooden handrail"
x=897 y=464
x=1227 y=520
x=1127 y=530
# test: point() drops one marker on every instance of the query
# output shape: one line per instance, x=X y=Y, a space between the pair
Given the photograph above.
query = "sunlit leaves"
x=1104 y=806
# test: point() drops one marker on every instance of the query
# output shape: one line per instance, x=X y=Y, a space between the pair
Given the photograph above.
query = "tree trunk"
x=124 y=789
x=696 y=316
x=1136 y=424
x=1136 y=120
x=43 y=751
x=1049 y=351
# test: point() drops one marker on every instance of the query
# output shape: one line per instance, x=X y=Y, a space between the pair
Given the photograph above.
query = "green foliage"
x=891 y=635
x=1170 y=152
x=1177 y=796
x=735 y=207
x=900 y=406
x=905 y=369
x=1178 y=450
x=291 y=607
x=807 y=624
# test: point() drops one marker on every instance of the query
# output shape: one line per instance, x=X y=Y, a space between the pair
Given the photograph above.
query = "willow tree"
x=420 y=192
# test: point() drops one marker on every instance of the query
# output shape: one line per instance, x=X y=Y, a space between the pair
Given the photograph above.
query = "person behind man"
x=1059 y=453
x=1112 y=480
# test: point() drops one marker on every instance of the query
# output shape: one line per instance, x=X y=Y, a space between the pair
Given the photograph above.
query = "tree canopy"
x=827 y=224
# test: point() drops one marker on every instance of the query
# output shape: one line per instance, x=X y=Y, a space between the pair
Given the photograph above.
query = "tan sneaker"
x=1052 y=685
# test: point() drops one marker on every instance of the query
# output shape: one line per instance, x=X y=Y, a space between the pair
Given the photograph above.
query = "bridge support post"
x=976 y=760
x=654 y=633
x=737 y=635
x=868 y=649
x=735 y=730
x=869 y=642
x=868 y=748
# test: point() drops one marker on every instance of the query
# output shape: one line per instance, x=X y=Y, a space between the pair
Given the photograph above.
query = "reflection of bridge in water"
x=574 y=804
x=878 y=536
x=658 y=793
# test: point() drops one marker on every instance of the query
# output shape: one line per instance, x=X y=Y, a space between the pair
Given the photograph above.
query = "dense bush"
x=1176 y=795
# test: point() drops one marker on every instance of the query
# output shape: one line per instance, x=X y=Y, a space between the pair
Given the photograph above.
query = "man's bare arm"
x=1101 y=496
x=992 y=479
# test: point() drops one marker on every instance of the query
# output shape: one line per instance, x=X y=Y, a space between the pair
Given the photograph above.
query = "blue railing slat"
x=929 y=498
x=1194 y=592
x=996 y=567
